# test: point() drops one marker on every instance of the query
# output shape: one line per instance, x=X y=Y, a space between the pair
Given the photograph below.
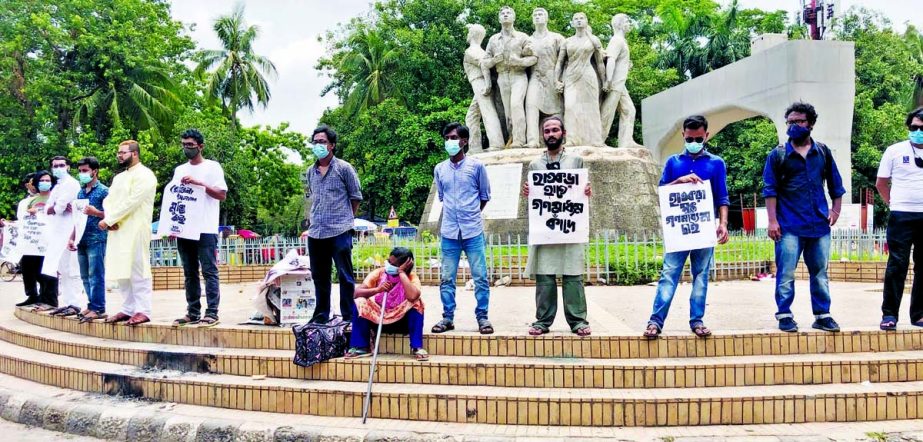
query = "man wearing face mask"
x=463 y=188
x=334 y=190
x=204 y=251
x=546 y=262
x=799 y=217
x=900 y=184
x=695 y=165
x=91 y=249
x=59 y=206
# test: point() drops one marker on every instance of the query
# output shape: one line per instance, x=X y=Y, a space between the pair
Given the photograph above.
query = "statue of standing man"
x=542 y=98
x=618 y=63
x=482 y=105
x=509 y=53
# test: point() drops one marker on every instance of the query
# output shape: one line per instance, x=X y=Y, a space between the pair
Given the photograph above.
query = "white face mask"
x=452 y=147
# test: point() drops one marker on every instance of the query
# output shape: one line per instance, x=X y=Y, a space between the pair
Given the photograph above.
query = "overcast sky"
x=290 y=29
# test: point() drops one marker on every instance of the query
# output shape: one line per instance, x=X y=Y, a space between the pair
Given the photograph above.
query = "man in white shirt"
x=70 y=287
x=902 y=166
x=208 y=174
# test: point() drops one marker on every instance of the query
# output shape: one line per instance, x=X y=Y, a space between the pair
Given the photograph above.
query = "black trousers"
x=324 y=255
x=32 y=272
x=905 y=231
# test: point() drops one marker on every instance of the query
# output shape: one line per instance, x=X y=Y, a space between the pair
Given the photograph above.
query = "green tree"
x=370 y=63
x=235 y=74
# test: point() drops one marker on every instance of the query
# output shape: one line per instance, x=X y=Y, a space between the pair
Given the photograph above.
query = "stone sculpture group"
x=547 y=74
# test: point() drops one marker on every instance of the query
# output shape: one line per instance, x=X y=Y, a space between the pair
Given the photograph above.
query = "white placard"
x=182 y=211
x=57 y=233
x=32 y=232
x=10 y=250
x=296 y=300
x=505 y=181
x=687 y=216
x=559 y=210
x=80 y=218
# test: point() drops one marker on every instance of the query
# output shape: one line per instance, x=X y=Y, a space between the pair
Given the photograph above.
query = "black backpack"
x=778 y=156
x=319 y=342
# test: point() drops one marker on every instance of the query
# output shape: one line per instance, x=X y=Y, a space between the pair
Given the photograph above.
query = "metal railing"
x=611 y=257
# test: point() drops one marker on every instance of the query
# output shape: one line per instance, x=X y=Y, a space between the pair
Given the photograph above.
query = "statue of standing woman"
x=579 y=73
x=617 y=99
x=482 y=105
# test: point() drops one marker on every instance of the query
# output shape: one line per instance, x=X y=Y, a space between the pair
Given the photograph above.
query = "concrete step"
x=556 y=345
x=496 y=371
x=494 y=405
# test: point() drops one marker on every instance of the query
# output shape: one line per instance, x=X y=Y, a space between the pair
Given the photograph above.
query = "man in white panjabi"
x=482 y=105
x=510 y=54
x=59 y=209
x=542 y=98
x=617 y=99
x=128 y=210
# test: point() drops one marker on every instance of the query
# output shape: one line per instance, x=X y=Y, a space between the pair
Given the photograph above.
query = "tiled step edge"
x=482 y=371
x=454 y=344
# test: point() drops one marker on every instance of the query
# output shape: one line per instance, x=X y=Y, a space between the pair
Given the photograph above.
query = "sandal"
x=701 y=330
x=535 y=331
x=92 y=316
x=420 y=354
x=584 y=331
x=355 y=353
x=888 y=323
x=485 y=327
x=652 y=332
x=917 y=324
x=138 y=319
x=119 y=317
x=185 y=320
x=65 y=311
x=443 y=326
x=208 y=321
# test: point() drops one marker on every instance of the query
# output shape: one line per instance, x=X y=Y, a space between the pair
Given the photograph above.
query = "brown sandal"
x=119 y=317
x=138 y=319
x=535 y=331
x=701 y=330
x=652 y=332
x=584 y=331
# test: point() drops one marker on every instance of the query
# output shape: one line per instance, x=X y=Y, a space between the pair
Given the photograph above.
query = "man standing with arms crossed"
x=799 y=218
x=204 y=251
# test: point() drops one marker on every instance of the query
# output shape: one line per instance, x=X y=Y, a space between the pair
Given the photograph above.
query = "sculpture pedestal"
x=624 y=191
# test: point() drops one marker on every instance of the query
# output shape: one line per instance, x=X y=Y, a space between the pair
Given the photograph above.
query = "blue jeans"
x=700 y=263
x=92 y=258
x=816 y=254
x=195 y=254
x=451 y=253
x=363 y=329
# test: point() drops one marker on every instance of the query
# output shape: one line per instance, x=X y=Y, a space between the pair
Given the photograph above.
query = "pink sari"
x=397 y=307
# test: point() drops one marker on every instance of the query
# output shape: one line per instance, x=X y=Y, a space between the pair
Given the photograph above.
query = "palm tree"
x=914 y=40
x=727 y=41
x=238 y=79
x=368 y=65
x=697 y=44
x=142 y=98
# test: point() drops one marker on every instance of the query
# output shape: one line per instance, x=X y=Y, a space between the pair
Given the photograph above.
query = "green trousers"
x=546 y=301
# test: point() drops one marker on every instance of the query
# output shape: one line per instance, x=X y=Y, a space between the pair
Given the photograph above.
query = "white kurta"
x=130 y=206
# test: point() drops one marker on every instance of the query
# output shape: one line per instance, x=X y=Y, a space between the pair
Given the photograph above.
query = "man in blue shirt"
x=463 y=188
x=799 y=218
x=91 y=249
x=694 y=165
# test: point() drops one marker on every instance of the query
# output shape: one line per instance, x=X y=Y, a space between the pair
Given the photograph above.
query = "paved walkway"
x=732 y=307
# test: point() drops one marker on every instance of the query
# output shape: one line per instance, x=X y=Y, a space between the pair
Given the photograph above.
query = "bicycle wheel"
x=7 y=272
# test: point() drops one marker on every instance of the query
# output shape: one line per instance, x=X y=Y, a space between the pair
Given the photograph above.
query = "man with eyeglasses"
x=900 y=184
x=694 y=165
x=204 y=251
x=127 y=216
x=799 y=217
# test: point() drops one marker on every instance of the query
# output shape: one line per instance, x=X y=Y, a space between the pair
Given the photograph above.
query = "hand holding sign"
x=688 y=216
x=558 y=202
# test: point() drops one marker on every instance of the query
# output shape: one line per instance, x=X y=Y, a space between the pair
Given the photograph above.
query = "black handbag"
x=319 y=342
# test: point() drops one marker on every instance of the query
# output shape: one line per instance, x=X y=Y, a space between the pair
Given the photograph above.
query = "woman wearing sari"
x=403 y=311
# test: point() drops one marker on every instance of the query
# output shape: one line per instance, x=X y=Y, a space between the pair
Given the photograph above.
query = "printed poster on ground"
x=687 y=216
x=296 y=300
x=559 y=210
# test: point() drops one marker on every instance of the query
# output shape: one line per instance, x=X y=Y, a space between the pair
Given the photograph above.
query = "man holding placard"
x=799 y=218
x=200 y=250
x=689 y=179
x=547 y=261
x=91 y=246
x=61 y=262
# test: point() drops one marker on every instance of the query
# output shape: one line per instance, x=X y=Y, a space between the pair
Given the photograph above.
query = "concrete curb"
x=121 y=424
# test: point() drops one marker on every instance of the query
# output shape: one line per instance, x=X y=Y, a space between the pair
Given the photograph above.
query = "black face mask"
x=191 y=152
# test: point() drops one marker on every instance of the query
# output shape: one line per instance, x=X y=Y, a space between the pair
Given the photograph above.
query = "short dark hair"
x=402 y=254
x=194 y=134
x=38 y=176
x=551 y=118
x=59 y=158
x=459 y=128
x=695 y=122
x=804 y=108
x=27 y=179
x=916 y=113
x=89 y=161
x=326 y=130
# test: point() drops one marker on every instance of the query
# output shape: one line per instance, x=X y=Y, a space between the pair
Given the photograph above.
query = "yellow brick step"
x=493 y=405
x=487 y=370
x=736 y=343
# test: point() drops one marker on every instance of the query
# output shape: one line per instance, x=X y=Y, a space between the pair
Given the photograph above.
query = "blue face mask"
x=59 y=172
x=694 y=148
x=320 y=150
x=798 y=132
x=916 y=137
x=44 y=186
x=452 y=147
x=392 y=270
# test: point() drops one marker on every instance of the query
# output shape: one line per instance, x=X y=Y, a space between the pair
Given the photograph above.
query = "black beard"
x=125 y=164
x=554 y=145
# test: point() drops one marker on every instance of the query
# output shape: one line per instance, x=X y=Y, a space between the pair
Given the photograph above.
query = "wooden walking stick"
x=368 y=392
